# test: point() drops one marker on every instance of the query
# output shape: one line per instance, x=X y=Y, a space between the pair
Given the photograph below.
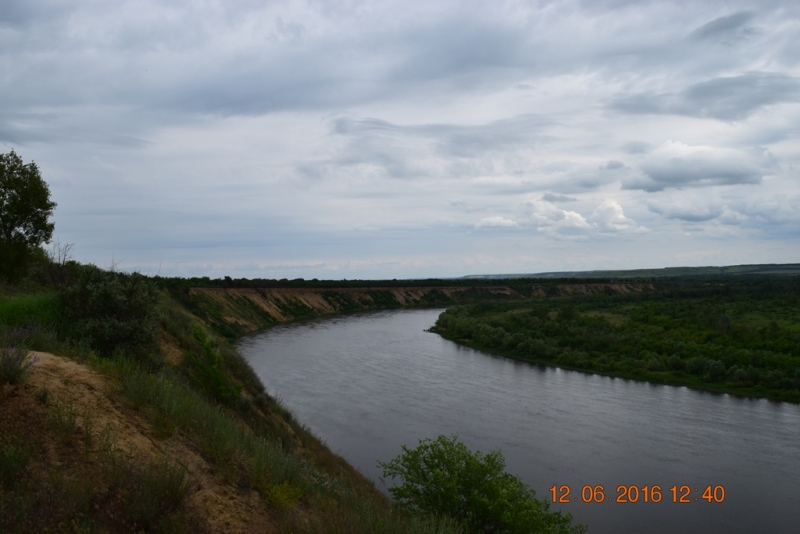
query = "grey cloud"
x=724 y=27
x=688 y=211
x=464 y=140
x=460 y=47
x=770 y=212
x=637 y=147
x=680 y=172
x=550 y=197
x=52 y=127
x=22 y=13
x=452 y=149
x=725 y=98
x=613 y=165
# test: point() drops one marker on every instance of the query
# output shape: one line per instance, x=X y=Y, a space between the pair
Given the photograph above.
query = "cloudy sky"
x=352 y=139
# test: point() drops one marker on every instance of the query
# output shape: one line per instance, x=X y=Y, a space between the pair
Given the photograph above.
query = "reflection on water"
x=367 y=384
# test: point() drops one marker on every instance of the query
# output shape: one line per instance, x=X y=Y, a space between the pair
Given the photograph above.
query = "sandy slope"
x=219 y=506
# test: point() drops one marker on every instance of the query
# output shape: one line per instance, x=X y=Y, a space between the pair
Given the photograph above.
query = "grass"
x=286 y=481
x=40 y=309
x=221 y=438
x=157 y=490
x=64 y=419
x=150 y=495
x=14 y=459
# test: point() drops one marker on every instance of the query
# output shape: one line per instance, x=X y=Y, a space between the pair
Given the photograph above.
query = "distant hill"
x=770 y=269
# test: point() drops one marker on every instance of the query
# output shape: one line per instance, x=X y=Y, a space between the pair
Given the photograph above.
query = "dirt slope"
x=214 y=506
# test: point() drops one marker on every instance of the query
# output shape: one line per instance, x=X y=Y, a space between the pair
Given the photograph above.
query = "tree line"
x=741 y=336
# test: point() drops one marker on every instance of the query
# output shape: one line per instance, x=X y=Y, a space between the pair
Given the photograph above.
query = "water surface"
x=369 y=383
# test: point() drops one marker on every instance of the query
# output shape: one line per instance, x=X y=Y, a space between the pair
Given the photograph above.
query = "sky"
x=348 y=139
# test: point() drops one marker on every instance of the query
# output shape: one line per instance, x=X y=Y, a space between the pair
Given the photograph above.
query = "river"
x=368 y=383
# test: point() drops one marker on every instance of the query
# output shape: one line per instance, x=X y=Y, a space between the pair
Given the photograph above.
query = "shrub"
x=160 y=487
x=114 y=311
x=15 y=366
x=284 y=496
x=445 y=478
x=63 y=418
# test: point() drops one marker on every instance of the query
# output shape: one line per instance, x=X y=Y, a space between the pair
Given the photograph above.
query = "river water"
x=367 y=384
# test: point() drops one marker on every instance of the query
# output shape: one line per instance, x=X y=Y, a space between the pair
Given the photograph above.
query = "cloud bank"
x=367 y=139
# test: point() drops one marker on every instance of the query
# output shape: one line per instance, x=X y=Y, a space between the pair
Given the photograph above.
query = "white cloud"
x=545 y=216
x=610 y=217
x=496 y=222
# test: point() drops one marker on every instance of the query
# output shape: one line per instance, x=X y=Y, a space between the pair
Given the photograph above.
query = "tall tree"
x=25 y=210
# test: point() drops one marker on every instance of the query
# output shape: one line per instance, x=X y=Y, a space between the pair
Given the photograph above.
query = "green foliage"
x=25 y=209
x=15 y=365
x=292 y=307
x=240 y=453
x=208 y=370
x=157 y=489
x=284 y=496
x=740 y=336
x=445 y=478
x=114 y=311
x=384 y=299
x=40 y=309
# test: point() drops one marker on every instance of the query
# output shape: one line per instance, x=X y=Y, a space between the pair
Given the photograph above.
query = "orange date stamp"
x=683 y=494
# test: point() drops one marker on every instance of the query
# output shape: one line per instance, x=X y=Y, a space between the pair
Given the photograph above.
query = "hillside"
x=76 y=427
x=236 y=311
x=183 y=439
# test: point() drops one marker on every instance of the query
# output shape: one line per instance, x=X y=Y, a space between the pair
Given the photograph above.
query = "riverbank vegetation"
x=443 y=477
x=183 y=388
x=740 y=336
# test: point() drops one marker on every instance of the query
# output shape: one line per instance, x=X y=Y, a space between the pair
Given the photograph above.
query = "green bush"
x=445 y=478
x=157 y=490
x=15 y=366
x=114 y=311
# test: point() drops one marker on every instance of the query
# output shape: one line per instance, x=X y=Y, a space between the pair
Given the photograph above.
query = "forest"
x=735 y=335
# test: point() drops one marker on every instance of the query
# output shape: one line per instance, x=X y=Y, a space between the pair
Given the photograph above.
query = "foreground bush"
x=444 y=477
x=15 y=366
x=114 y=311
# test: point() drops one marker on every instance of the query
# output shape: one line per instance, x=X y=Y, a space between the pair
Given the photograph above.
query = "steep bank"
x=234 y=312
x=180 y=439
